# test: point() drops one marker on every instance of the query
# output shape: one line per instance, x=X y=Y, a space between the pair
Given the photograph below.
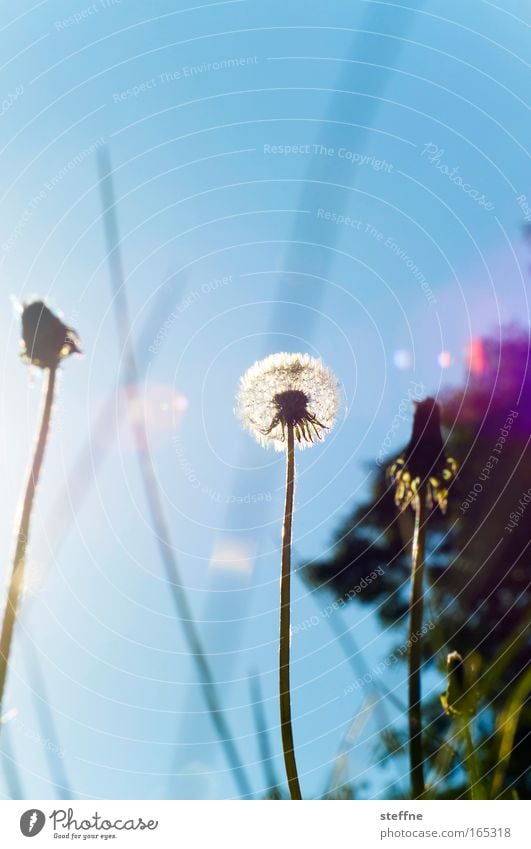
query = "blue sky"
x=287 y=175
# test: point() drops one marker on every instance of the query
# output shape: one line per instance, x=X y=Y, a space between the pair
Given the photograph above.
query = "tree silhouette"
x=478 y=555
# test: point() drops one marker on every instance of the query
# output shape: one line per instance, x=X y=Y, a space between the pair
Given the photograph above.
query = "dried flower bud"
x=460 y=697
x=424 y=460
x=45 y=339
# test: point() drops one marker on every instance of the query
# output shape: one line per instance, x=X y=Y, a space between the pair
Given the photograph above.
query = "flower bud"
x=460 y=697
x=45 y=339
x=424 y=460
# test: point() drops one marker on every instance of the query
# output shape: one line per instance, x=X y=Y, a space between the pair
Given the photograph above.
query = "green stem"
x=19 y=560
x=415 y=652
x=471 y=763
x=285 y=629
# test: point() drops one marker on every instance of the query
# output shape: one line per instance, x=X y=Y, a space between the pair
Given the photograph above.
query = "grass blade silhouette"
x=262 y=735
x=10 y=767
x=151 y=487
x=47 y=724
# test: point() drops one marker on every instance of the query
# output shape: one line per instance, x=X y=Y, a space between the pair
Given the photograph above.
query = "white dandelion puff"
x=284 y=400
x=288 y=390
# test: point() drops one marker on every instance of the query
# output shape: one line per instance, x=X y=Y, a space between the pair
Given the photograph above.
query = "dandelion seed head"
x=288 y=390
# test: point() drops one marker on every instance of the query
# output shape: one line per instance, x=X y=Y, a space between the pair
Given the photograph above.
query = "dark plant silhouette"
x=479 y=559
x=283 y=400
x=130 y=381
x=45 y=342
x=421 y=476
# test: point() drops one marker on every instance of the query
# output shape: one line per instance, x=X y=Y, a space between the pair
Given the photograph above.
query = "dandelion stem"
x=19 y=560
x=285 y=582
x=415 y=651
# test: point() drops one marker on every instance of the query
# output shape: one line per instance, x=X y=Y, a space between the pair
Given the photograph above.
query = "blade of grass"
x=355 y=658
x=10 y=766
x=69 y=502
x=506 y=653
x=130 y=379
x=471 y=763
x=507 y=725
x=48 y=727
x=356 y=661
x=263 y=737
x=352 y=732
x=440 y=767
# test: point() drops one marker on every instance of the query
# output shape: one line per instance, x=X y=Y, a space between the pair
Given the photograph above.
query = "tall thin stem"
x=415 y=650
x=471 y=763
x=15 y=788
x=130 y=379
x=262 y=736
x=46 y=720
x=19 y=560
x=285 y=628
